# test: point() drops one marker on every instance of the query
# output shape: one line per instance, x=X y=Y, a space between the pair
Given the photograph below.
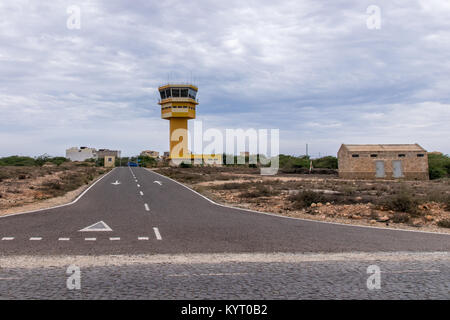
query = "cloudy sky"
x=321 y=72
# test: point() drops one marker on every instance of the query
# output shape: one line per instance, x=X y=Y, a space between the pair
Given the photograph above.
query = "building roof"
x=174 y=85
x=383 y=147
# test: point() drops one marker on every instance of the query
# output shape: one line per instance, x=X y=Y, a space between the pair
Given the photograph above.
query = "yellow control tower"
x=178 y=103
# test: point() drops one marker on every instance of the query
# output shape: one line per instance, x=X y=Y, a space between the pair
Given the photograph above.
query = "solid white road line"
x=7 y=238
x=143 y=238
x=157 y=234
x=141 y=193
x=63 y=239
x=90 y=239
x=114 y=238
x=35 y=238
x=146 y=207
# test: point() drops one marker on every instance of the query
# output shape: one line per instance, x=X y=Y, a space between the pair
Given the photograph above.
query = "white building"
x=81 y=154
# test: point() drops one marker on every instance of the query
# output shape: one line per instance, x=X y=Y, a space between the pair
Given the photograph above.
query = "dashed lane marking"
x=139 y=185
x=157 y=234
x=141 y=193
x=90 y=239
x=7 y=238
x=146 y=207
x=114 y=238
x=35 y=238
x=63 y=239
x=143 y=238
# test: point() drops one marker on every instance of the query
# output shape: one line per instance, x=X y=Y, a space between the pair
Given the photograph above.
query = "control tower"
x=178 y=103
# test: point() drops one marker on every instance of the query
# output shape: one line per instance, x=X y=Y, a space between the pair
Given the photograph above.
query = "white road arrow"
x=158 y=182
x=116 y=183
x=98 y=226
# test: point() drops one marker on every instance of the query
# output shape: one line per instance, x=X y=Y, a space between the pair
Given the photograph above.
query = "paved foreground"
x=229 y=276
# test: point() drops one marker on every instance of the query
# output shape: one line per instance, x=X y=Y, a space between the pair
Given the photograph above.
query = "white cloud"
x=312 y=69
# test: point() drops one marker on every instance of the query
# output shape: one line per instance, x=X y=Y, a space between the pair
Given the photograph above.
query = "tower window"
x=184 y=93
x=175 y=93
x=163 y=94
x=192 y=94
x=168 y=95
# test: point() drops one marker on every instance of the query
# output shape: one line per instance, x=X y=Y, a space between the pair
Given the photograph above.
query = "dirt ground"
x=375 y=203
x=31 y=188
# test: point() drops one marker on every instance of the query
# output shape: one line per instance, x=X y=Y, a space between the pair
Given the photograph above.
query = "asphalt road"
x=164 y=241
x=150 y=214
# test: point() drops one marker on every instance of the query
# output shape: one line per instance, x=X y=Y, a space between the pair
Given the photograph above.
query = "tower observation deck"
x=178 y=105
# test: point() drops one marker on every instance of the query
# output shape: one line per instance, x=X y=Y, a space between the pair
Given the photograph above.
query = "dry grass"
x=24 y=185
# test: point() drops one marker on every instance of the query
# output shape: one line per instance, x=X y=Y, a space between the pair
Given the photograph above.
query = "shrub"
x=402 y=202
x=328 y=162
x=185 y=165
x=287 y=162
x=306 y=198
x=17 y=161
x=231 y=186
x=400 y=217
x=437 y=173
x=260 y=191
x=439 y=166
x=445 y=223
x=58 y=160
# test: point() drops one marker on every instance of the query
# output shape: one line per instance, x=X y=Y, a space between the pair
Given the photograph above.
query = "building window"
x=402 y=155
x=373 y=155
x=355 y=155
x=420 y=155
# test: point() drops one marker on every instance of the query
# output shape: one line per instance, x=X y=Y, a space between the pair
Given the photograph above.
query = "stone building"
x=102 y=153
x=81 y=154
x=383 y=161
x=109 y=161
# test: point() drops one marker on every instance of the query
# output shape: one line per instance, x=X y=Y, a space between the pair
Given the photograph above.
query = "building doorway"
x=397 y=169
x=380 y=169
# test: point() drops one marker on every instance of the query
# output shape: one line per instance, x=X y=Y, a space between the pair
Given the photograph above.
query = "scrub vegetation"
x=24 y=180
x=409 y=204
